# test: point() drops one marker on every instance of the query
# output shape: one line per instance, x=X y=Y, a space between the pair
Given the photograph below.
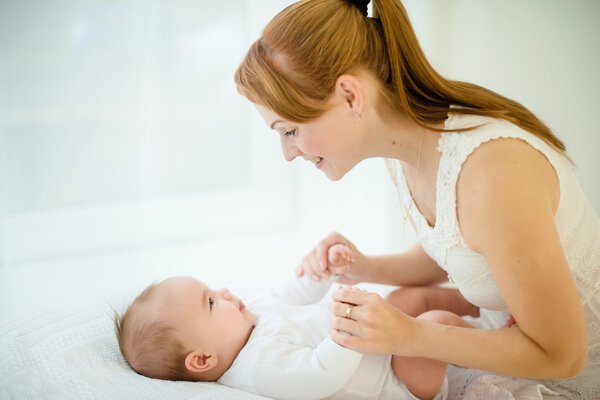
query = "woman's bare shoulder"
x=504 y=180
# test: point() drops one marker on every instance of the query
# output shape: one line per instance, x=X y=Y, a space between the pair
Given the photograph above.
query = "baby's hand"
x=340 y=255
x=334 y=255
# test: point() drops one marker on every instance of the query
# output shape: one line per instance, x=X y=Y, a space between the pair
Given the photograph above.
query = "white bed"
x=69 y=351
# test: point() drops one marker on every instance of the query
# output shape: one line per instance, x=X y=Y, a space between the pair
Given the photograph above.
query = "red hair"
x=293 y=68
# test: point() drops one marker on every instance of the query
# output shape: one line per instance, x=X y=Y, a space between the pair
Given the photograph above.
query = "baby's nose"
x=225 y=293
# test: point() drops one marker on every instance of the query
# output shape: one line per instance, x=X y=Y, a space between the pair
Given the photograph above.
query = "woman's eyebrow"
x=275 y=122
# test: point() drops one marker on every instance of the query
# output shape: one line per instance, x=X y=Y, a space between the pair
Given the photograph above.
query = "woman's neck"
x=403 y=139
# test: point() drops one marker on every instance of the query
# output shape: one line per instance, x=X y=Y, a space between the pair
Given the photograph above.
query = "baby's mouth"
x=242 y=306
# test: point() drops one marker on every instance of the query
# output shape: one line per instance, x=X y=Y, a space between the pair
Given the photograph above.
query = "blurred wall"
x=544 y=54
x=127 y=156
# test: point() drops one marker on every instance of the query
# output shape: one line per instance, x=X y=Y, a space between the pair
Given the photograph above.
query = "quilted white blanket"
x=70 y=352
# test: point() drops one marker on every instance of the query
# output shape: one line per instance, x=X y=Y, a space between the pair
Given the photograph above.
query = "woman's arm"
x=411 y=268
x=510 y=194
x=507 y=196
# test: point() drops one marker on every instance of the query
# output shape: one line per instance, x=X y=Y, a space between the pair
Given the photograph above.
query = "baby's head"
x=180 y=329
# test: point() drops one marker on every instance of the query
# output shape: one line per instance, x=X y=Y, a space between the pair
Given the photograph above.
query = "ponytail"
x=292 y=69
x=426 y=96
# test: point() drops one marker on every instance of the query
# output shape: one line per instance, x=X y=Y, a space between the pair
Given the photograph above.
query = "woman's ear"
x=198 y=361
x=348 y=88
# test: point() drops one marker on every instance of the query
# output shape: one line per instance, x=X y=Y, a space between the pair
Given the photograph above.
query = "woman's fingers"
x=345 y=340
x=346 y=325
x=377 y=326
x=344 y=310
x=309 y=267
x=352 y=295
x=321 y=254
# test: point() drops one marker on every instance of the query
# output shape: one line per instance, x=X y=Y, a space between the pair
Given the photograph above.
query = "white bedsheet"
x=71 y=352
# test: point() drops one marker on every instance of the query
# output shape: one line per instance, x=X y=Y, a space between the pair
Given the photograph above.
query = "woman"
x=487 y=185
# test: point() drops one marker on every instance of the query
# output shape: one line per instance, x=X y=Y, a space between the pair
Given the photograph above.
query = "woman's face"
x=329 y=142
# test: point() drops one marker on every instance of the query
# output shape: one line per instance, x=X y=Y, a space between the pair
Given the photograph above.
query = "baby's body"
x=290 y=355
x=279 y=346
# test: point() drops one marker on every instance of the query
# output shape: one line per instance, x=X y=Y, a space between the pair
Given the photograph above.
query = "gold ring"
x=348 y=312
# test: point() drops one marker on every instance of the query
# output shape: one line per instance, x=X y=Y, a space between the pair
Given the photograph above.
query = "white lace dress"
x=579 y=230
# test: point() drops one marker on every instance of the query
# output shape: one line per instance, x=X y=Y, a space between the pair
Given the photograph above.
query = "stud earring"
x=357 y=116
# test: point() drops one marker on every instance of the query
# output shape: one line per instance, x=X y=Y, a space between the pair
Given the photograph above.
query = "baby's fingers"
x=340 y=254
x=322 y=248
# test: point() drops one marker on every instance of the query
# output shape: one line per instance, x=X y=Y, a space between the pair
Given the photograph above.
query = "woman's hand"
x=372 y=325
x=334 y=255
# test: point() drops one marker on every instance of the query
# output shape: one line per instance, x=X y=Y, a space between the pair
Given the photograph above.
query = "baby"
x=180 y=329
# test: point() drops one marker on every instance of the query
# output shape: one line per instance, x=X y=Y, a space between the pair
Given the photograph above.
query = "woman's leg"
x=422 y=376
x=415 y=300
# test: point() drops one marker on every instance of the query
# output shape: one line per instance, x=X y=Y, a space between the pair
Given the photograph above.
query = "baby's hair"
x=151 y=348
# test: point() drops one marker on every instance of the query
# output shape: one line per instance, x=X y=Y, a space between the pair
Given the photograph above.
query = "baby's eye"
x=210 y=302
x=290 y=133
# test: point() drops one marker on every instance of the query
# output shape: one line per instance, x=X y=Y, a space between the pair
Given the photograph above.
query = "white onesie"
x=290 y=355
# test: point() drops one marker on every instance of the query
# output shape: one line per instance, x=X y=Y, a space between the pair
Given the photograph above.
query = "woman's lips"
x=319 y=162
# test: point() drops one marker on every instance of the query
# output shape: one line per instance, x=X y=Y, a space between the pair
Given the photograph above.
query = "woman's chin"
x=334 y=177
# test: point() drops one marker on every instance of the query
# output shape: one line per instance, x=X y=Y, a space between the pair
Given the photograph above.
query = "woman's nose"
x=289 y=150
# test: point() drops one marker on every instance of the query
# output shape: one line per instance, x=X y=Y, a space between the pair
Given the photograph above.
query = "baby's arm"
x=287 y=371
x=303 y=290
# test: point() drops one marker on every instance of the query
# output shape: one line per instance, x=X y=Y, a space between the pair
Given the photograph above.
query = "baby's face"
x=205 y=319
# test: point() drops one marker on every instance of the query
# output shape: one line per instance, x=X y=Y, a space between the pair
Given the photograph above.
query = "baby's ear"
x=198 y=361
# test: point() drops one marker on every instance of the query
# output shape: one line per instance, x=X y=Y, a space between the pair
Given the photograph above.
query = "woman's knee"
x=410 y=300
x=403 y=294
x=443 y=317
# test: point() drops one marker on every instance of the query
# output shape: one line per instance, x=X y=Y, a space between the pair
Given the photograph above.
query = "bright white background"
x=126 y=155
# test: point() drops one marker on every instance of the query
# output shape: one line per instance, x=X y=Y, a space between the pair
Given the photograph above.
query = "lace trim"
x=575 y=218
x=576 y=221
x=477 y=384
x=436 y=241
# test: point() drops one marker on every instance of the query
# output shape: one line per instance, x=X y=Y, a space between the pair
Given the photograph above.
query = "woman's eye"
x=290 y=133
x=210 y=302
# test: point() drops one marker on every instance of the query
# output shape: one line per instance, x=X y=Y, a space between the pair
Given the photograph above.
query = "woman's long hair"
x=293 y=68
